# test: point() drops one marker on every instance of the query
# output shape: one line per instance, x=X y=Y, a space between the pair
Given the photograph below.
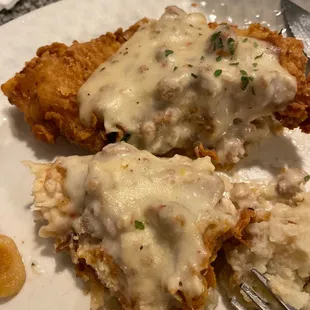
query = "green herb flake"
x=220 y=43
x=259 y=56
x=255 y=44
x=218 y=58
x=244 y=73
x=234 y=64
x=255 y=70
x=126 y=137
x=202 y=58
x=218 y=72
x=244 y=40
x=190 y=66
x=168 y=52
x=216 y=40
x=254 y=64
x=253 y=91
x=139 y=225
x=307 y=178
x=244 y=82
x=251 y=78
x=215 y=36
x=194 y=76
x=175 y=68
x=231 y=43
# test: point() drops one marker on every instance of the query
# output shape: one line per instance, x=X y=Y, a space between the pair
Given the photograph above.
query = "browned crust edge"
x=293 y=59
x=49 y=122
x=213 y=237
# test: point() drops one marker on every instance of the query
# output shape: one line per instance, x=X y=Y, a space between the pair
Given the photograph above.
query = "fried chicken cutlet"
x=147 y=228
x=51 y=107
x=46 y=89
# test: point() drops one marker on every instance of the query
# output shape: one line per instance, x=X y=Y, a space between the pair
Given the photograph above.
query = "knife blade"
x=298 y=21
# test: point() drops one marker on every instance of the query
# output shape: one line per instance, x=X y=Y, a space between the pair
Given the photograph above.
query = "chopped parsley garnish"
x=216 y=40
x=255 y=70
x=231 y=43
x=218 y=58
x=102 y=69
x=189 y=65
x=139 y=225
x=234 y=64
x=244 y=82
x=245 y=79
x=255 y=44
x=218 y=72
x=254 y=64
x=175 y=68
x=220 y=43
x=126 y=137
x=202 y=58
x=307 y=178
x=244 y=40
x=168 y=52
x=259 y=56
x=253 y=91
x=215 y=36
x=194 y=76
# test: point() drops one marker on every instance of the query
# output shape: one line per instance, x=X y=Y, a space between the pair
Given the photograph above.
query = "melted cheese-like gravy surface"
x=177 y=82
x=150 y=214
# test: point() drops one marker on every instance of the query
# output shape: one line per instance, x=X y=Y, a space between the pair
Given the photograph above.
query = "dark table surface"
x=22 y=7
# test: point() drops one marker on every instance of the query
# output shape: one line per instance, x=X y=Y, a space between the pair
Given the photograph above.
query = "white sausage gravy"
x=153 y=216
x=177 y=82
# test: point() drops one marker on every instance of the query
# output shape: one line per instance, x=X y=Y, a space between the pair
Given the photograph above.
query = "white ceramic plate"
x=51 y=285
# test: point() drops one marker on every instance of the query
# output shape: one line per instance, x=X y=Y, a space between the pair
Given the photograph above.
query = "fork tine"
x=261 y=304
x=265 y=281
x=236 y=304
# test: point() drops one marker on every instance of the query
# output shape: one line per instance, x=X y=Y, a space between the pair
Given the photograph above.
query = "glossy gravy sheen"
x=150 y=215
x=177 y=82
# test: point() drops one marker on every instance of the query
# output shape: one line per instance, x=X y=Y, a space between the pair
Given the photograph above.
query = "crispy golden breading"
x=87 y=251
x=46 y=89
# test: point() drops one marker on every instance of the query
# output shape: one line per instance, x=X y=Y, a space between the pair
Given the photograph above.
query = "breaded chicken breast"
x=261 y=77
x=146 y=228
x=46 y=89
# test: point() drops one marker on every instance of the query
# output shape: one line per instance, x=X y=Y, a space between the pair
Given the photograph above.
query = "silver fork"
x=258 y=300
